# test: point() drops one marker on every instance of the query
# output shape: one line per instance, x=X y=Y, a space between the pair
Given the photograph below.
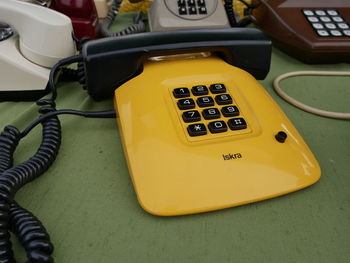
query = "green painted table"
x=87 y=203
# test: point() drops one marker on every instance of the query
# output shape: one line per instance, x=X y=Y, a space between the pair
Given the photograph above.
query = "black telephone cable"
x=30 y=231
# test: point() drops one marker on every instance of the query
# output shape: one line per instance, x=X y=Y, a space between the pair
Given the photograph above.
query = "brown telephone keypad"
x=327 y=22
x=214 y=113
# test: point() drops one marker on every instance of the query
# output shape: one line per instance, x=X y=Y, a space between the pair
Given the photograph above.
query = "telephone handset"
x=165 y=15
x=199 y=132
x=41 y=38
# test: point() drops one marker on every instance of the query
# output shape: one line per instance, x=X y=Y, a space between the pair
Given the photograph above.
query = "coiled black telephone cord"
x=29 y=230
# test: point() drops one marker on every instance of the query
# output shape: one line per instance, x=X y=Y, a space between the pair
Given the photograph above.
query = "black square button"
x=191 y=2
x=237 y=124
x=223 y=99
x=206 y=101
x=217 y=126
x=201 y=2
x=192 y=10
x=197 y=129
x=217 y=88
x=182 y=10
x=181 y=2
x=200 y=90
x=211 y=113
x=181 y=93
x=186 y=104
x=230 y=111
x=191 y=116
x=202 y=10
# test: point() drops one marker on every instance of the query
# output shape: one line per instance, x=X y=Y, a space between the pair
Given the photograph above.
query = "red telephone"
x=83 y=14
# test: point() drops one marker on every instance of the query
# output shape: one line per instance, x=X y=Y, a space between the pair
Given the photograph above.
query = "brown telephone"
x=314 y=31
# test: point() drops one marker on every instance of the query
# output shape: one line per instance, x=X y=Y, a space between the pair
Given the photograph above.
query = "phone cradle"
x=201 y=135
x=21 y=79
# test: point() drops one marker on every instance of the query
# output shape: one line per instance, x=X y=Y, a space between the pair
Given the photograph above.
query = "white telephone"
x=40 y=37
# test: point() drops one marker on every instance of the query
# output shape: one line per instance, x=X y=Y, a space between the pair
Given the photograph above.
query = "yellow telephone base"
x=175 y=173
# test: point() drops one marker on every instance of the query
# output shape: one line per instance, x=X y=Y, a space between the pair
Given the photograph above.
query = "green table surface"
x=87 y=202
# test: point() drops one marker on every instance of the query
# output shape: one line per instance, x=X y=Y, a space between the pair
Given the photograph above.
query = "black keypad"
x=186 y=104
x=206 y=101
x=217 y=126
x=327 y=22
x=213 y=119
x=230 y=111
x=197 y=129
x=192 y=7
x=211 y=113
x=200 y=90
x=223 y=99
x=181 y=93
x=217 y=88
x=237 y=124
x=191 y=116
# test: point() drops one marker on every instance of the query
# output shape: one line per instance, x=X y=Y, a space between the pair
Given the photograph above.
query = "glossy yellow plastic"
x=175 y=174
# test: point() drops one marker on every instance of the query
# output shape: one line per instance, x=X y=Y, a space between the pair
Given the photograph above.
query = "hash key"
x=223 y=99
x=186 y=104
x=237 y=124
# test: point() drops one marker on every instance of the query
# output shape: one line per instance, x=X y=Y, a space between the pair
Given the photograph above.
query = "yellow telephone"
x=199 y=132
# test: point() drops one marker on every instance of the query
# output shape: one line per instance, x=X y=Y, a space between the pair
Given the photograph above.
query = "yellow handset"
x=249 y=154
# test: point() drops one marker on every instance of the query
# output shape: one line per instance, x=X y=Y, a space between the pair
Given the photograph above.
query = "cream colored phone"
x=186 y=14
x=32 y=39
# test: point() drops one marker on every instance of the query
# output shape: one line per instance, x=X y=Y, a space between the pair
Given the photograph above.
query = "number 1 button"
x=181 y=92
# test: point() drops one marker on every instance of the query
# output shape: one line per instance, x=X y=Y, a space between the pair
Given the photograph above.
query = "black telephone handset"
x=110 y=62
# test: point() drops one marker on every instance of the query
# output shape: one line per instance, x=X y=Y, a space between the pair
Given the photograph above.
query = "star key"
x=197 y=129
